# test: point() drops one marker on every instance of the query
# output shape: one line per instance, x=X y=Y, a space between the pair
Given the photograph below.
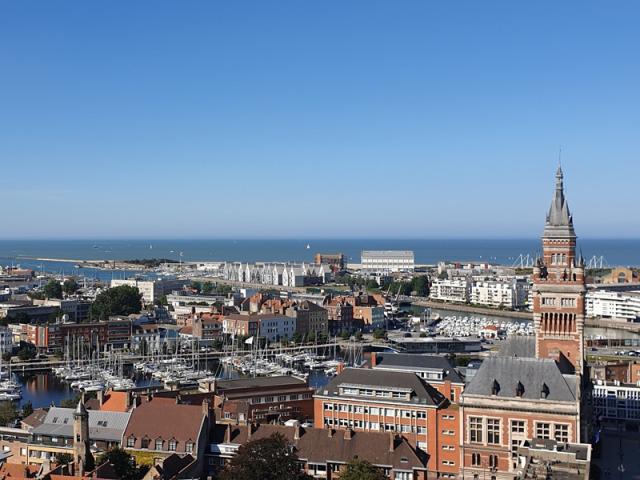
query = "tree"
x=265 y=459
x=64 y=458
x=27 y=409
x=70 y=286
x=123 y=300
x=362 y=470
x=53 y=289
x=123 y=464
x=379 y=333
x=8 y=413
x=207 y=288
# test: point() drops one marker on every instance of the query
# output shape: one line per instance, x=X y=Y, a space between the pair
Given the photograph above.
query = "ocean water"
x=430 y=251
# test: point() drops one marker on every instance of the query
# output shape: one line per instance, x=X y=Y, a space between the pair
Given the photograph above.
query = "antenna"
x=560 y=156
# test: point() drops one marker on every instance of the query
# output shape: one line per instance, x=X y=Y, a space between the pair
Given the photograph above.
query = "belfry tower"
x=559 y=288
x=81 y=449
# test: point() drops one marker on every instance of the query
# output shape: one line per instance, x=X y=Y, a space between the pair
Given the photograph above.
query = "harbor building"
x=511 y=293
x=515 y=397
x=387 y=261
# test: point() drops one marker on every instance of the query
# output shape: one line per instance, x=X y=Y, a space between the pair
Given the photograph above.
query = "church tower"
x=81 y=448
x=559 y=288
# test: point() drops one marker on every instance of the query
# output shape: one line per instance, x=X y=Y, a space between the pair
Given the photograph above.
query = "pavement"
x=616 y=449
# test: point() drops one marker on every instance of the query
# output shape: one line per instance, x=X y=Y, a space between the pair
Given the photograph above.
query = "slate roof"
x=317 y=445
x=532 y=373
x=107 y=426
x=422 y=392
x=416 y=362
x=559 y=219
x=259 y=382
x=518 y=346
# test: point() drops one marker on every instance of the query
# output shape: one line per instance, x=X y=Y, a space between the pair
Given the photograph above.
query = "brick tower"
x=81 y=449
x=559 y=288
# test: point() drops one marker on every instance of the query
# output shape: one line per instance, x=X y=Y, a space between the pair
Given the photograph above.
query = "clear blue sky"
x=316 y=118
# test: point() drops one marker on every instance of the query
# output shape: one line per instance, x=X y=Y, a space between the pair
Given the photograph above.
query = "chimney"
x=128 y=401
x=101 y=397
x=330 y=432
x=392 y=442
x=374 y=359
x=348 y=434
x=251 y=427
x=340 y=368
x=296 y=432
x=227 y=433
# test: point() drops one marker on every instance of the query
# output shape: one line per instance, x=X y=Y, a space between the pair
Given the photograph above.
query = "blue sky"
x=316 y=118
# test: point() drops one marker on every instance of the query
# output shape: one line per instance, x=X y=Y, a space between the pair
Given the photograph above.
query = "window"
x=493 y=461
x=475 y=429
x=159 y=444
x=475 y=459
x=144 y=443
x=172 y=445
x=543 y=430
x=561 y=432
x=517 y=426
x=493 y=431
x=403 y=476
x=131 y=441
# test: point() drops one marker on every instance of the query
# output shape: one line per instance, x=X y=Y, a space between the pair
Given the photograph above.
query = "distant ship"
x=308 y=246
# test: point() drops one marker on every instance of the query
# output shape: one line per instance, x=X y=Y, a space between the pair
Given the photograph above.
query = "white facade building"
x=151 y=290
x=505 y=293
x=276 y=327
x=388 y=261
x=616 y=400
x=451 y=290
x=615 y=305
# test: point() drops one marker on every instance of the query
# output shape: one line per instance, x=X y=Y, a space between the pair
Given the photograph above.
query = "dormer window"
x=544 y=391
x=519 y=389
x=495 y=387
x=131 y=441
x=159 y=443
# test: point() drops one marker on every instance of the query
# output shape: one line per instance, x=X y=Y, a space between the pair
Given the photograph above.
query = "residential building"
x=451 y=290
x=620 y=306
x=207 y=328
x=185 y=431
x=510 y=293
x=54 y=336
x=622 y=275
x=59 y=433
x=387 y=261
x=310 y=318
x=76 y=310
x=324 y=453
x=339 y=314
x=6 y=340
x=260 y=399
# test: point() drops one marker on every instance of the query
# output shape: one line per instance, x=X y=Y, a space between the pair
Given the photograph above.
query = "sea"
x=601 y=252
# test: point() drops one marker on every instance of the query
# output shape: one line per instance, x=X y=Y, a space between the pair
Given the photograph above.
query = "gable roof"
x=532 y=373
x=165 y=418
x=318 y=445
x=518 y=346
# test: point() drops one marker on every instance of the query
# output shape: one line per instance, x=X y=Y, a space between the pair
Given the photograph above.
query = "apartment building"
x=510 y=293
x=616 y=401
x=456 y=290
x=621 y=306
x=310 y=318
x=152 y=290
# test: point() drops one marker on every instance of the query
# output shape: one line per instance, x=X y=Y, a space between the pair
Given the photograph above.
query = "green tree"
x=379 y=333
x=123 y=464
x=207 y=288
x=358 y=336
x=27 y=409
x=64 y=458
x=420 y=285
x=8 y=413
x=70 y=286
x=53 y=289
x=264 y=459
x=345 y=335
x=361 y=470
x=122 y=300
